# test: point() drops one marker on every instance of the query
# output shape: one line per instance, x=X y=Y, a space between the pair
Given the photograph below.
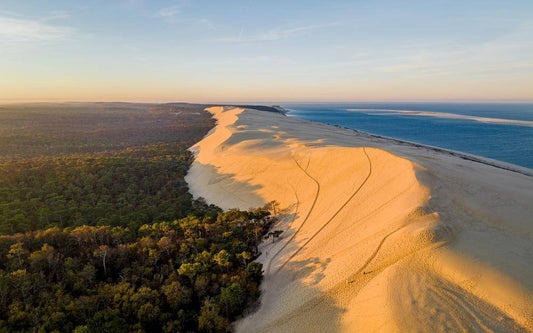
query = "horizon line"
x=263 y=102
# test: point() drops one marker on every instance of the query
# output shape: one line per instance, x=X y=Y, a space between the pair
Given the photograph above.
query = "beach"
x=378 y=234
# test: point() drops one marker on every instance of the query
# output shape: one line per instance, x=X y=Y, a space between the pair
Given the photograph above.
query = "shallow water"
x=456 y=126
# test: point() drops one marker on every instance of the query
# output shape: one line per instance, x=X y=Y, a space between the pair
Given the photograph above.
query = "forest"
x=98 y=232
x=118 y=188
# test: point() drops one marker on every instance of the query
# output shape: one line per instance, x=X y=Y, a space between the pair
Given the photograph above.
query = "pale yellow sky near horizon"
x=277 y=51
x=82 y=90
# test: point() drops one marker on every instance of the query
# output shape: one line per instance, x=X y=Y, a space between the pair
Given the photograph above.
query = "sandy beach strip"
x=378 y=235
x=527 y=123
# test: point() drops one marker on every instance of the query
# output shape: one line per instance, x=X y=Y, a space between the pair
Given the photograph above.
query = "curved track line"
x=361 y=219
x=308 y=212
x=380 y=245
x=335 y=214
x=376 y=251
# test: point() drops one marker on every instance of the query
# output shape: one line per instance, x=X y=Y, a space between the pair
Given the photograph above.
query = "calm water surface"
x=463 y=127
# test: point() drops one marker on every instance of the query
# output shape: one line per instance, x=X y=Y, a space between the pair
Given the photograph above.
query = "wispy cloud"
x=167 y=12
x=175 y=15
x=17 y=30
x=173 y=11
x=276 y=34
x=57 y=15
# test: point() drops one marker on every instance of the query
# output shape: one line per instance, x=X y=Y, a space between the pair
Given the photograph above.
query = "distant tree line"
x=32 y=130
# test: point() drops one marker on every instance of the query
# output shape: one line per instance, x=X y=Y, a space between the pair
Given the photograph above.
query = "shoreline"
x=467 y=156
x=372 y=227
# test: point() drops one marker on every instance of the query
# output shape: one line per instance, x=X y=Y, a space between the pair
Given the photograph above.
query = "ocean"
x=501 y=131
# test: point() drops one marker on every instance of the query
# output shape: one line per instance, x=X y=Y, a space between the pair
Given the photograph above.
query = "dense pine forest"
x=98 y=232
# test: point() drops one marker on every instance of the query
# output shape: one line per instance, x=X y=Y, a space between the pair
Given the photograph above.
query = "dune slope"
x=377 y=236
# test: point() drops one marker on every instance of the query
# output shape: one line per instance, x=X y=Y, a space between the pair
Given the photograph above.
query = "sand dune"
x=385 y=112
x=378 y=236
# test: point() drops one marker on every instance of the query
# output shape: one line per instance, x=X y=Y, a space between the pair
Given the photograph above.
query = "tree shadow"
x=291 y=298
x=291 y=301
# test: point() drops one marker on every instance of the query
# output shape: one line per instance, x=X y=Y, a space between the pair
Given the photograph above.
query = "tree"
x=232 y=298
x=274 y=234
x=17 y=253
x=255 y=269
x=107 y=321
x=42 y=259
x=102 y=253
x=210 y=320
x=244 y=257
x=176 y=295
x=164 y=244
x=189 y=269
x=223 y=259
x=273 y=207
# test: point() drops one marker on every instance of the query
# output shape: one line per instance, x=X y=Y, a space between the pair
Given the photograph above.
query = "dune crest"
x=376 y=236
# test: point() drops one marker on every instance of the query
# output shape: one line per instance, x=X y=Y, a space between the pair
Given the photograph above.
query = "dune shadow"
x=255 y=139
x=223 y=189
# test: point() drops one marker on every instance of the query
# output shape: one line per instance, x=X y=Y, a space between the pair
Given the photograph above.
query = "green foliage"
x=73 y=164
x=86 y=193
x=255 y=271
x=210 y=320
x=113 y=279
x=232 y=298
x=124 y=188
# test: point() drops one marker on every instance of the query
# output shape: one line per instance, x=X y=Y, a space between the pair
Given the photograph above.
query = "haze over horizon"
x=135 y=50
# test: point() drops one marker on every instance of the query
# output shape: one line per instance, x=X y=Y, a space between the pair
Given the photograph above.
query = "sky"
x=266 y=51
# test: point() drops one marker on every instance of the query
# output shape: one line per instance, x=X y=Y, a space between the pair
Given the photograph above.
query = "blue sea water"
x=457 y=126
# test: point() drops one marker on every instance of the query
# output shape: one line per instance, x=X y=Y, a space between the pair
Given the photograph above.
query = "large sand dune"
x=378 y=235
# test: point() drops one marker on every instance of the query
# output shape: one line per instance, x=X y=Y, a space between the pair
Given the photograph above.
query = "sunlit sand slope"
x=378 y=236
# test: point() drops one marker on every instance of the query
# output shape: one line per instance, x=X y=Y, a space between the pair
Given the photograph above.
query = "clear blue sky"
x=194 y=50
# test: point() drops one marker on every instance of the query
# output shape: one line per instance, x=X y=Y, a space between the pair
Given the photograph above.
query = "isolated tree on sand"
x=274 y=234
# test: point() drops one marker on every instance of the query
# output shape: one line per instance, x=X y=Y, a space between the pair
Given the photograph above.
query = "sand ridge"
x=377 y=236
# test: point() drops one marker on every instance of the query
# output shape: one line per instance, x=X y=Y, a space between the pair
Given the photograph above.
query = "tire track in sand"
x=334 y=215
x=375 y=253
x=306 y=217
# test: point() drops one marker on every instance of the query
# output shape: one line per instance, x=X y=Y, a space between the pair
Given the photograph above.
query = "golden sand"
x=378 y=236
